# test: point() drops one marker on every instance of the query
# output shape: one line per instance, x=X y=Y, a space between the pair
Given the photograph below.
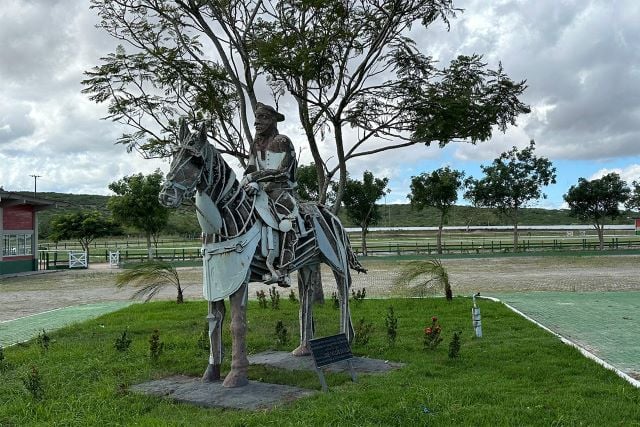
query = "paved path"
x=25 y=328
x=606 y=324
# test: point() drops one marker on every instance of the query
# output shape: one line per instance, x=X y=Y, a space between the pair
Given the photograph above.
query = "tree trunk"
x=85 y=247
x=363 y=234
x=149 y=250
x=180 y=298
x=515 y=231
x=439 y=236
x=600 y=230
x=316 y=284
x=337 y=126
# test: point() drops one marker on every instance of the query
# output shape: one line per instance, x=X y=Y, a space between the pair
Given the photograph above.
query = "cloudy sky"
x=581 y=60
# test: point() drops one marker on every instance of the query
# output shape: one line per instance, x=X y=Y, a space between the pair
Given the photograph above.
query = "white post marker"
x=475 y=316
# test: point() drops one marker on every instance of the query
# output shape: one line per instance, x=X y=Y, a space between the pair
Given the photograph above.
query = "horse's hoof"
x=212 y=374
x=302 y=350
x=235 y=380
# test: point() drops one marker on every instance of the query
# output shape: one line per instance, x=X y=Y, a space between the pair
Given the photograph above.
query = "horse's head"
x=185 y=172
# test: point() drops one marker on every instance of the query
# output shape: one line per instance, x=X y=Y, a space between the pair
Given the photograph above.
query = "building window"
x=17 y=245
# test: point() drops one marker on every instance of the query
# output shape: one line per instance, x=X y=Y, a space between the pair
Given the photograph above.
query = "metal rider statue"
x=271 y=168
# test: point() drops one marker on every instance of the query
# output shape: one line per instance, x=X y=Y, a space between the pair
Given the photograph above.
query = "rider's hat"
x=278 y=116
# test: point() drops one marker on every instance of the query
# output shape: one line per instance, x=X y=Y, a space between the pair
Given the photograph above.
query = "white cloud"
x=628 y=173
x=580 y=60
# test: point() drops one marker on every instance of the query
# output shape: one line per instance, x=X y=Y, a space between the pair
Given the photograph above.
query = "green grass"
x=516 y=375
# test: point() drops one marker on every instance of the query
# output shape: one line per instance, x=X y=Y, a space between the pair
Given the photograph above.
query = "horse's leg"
x=305 y=292
x=237 y=377
x=215 y=319
x=343 y=283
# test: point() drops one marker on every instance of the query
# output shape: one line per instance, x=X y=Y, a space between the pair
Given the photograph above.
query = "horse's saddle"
x=267 y=212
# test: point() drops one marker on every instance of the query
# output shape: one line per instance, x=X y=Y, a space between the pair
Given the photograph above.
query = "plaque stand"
x=329 y=350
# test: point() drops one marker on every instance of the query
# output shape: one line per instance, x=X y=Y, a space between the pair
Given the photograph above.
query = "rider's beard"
x=261 y=139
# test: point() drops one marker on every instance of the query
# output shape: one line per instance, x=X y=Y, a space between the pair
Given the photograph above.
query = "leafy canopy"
x=136 y=202
x=360 y=199
x=597 y=199
x=439 y=189
x=512 y=180
x=344 y=62
x=83 y=226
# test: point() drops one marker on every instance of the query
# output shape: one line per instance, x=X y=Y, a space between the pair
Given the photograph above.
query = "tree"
x=439 y=190
x=136 y=205
x=352 y=63
x=360 y=199
x=346 y=63
x=511 y=182
x=427 y=273
x=151 y=276
x=597 y=199
x=308 y=188
x=634 y=197
x=83 y=226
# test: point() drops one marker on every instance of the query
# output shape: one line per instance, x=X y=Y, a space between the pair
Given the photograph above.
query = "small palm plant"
x=151 y=277
x=418 y=277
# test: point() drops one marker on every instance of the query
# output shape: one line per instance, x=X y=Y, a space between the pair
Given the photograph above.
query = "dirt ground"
x=31 y=294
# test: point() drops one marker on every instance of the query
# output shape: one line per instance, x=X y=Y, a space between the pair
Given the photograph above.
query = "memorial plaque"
x=329 y=350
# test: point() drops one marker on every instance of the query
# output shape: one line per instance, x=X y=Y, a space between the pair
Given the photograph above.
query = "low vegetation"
x=517 y=374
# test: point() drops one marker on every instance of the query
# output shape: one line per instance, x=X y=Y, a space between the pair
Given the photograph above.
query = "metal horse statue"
x=238 y=231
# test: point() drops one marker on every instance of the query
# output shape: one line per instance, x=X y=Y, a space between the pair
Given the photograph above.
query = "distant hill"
x=183 y=221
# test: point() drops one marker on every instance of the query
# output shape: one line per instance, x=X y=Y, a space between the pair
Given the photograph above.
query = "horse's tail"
x=341 y=233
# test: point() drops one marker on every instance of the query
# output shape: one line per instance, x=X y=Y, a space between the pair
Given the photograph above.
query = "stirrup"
x=284 y=280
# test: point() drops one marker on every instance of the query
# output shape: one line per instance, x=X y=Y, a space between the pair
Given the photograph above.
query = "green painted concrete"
x=25 y=328
x=11 y=267
x=605 y=323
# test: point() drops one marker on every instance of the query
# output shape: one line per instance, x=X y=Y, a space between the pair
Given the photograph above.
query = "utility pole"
x=35 y=183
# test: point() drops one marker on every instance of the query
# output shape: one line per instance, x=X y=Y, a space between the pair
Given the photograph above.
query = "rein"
x=206 y=176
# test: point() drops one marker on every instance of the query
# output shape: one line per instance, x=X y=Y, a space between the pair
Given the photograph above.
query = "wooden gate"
x=78 y=260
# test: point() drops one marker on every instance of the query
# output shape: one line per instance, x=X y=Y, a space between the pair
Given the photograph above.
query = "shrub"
x=33 y=383
x=359 y=295
x=391 y=323
x=335 y=300
x=417 y=278
x=275 y=298
x=155 y=346
x=292 y=296
x=282 y=334
x=454 y=346
x=122 y=342
x=43 y=340
x=363 y=332
x=432 y=334
x=203 y=338
x=262 y=299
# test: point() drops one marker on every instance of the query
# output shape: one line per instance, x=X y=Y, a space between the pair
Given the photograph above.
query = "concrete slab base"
x=254 y=396
x=285 y=360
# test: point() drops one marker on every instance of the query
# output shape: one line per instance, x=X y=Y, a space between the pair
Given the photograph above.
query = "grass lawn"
x=516 y=375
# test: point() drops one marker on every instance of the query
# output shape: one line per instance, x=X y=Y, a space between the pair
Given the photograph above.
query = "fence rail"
x=491 y=246
x=57 y=259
